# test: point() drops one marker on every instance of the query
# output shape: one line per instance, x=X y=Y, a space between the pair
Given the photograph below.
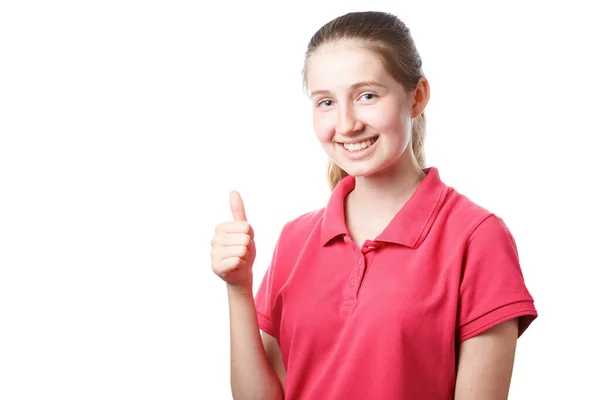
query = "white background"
x=124 y=125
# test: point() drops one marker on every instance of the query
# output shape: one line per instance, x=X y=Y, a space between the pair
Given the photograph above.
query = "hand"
x=233 y=250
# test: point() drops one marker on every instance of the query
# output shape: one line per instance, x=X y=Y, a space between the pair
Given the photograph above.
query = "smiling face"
x=361 y=115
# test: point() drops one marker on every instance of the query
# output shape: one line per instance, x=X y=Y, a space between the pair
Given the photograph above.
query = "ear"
x=420 y=97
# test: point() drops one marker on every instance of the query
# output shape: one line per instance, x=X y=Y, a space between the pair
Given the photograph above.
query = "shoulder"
x=301 y=226
x=292 y=240
x=467 y=218
x=484 y=237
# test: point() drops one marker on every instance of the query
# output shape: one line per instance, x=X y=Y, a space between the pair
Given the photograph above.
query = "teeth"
x=358 y=146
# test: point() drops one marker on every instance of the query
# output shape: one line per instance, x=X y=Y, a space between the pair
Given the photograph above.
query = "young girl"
x=401 y=287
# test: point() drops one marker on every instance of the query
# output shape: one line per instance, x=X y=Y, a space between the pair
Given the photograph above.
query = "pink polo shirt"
x=383 y=321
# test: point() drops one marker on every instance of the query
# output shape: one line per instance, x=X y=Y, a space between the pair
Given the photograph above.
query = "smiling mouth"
x=352 y=147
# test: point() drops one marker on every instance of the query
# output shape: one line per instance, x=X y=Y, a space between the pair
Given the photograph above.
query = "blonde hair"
x=388 y=37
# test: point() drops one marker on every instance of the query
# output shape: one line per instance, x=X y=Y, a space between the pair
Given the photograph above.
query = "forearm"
x=252 y=377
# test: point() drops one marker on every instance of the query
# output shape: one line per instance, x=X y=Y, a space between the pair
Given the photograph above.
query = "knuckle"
x=221 y=267
x=216 y=267
x=246 y=240
x=221 y=228
x=231 y=264
x=245 y=227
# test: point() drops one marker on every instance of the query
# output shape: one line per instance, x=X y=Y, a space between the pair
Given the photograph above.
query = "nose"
x=348 y=123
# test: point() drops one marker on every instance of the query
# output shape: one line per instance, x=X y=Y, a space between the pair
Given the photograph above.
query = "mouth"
x=356 y=147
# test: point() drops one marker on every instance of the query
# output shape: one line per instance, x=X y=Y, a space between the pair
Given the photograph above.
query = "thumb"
x=237 y=206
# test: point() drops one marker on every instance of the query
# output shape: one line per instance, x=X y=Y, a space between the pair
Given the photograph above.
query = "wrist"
x=240 y=288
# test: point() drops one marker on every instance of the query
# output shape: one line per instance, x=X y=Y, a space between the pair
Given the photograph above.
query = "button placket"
x=368 y=253
x=358 y=277
x=363 y=256
x=353 y=283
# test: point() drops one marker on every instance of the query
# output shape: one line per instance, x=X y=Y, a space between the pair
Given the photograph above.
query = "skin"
x=353 y=98
x=346 y=111
x=232 y=254
x=485 y=363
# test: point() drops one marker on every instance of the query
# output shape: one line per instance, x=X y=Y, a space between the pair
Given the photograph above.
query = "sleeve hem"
x=523 y=310
x=265 y=324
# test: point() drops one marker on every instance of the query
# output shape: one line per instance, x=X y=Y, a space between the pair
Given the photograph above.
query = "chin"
x=370 y=167
x=361 y=170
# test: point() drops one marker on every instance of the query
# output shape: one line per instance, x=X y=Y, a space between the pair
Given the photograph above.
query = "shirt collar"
x=410 y=225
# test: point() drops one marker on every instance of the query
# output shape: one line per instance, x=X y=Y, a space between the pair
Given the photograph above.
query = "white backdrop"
x=125 y=124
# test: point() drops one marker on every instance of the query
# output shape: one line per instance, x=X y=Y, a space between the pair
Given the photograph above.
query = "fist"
x=233 y=250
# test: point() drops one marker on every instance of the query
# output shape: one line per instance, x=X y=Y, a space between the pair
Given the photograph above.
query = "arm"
x=233 y=253
x=252 y=376
x=275 y=358
x=485 y=363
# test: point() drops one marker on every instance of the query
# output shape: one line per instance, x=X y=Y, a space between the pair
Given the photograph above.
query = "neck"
x=388 y=190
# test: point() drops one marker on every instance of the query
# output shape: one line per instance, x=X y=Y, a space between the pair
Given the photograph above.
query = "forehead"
x=343 y=63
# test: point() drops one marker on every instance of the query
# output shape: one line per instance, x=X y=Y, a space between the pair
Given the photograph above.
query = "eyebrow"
x=353 y=87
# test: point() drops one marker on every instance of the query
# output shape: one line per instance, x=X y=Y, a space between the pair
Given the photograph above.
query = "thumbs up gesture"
x=233 y=250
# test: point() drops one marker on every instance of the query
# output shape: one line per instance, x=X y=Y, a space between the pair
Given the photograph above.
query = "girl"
x=401 y=287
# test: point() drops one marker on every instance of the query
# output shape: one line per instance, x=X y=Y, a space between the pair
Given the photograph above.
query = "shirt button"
x=353 y=282
x=360 y=261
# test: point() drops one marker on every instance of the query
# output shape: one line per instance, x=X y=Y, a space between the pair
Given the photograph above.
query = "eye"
x=325 y=103
x=369 y=96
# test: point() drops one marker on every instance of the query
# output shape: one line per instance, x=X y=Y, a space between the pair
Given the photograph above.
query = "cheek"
x=323 y=128
x=394 y=123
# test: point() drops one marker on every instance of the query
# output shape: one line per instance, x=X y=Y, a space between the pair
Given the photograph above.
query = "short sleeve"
x=266 y=293
x=492 y=288
x=262 y=300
